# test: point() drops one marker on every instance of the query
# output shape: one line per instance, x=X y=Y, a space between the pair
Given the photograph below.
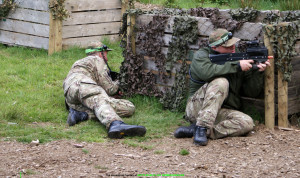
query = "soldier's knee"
x=248 y=123
x=131 y=110
x=222 y=83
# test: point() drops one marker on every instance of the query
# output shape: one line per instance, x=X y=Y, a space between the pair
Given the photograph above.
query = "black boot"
x=119 y=129
x=200 y=136
x=185 y=132
x=75 y=117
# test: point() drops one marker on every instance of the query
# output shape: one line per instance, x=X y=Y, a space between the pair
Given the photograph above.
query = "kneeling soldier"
x=88 y=91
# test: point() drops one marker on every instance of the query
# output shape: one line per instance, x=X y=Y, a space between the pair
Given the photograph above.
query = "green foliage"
x=6 y=7
x=287 y=34
x=249 y=3
x=233 y=4
x=289 y=5
x=184 y=152
x=170 y=4
x=221 y=2
x=244 y=14
x=58 y=10
x=85 y=151
x=159 y=152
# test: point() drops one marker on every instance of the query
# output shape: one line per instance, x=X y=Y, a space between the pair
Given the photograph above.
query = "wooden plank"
x=282 y=87
x=91 y=30
x=85 y=41
x=25 y=27
x=149 y=64
x=87 y=5
x=257 y=103
x=295 y=78
x=55 y=35
x=296 y=63
x=249 y=31
x=294 y=92
x=12 y=38
x=93 y=17
x=205 y=26
x=125 y=6
x=30 y=16
x=294 y=106
x=269 y=100
x=33 y=4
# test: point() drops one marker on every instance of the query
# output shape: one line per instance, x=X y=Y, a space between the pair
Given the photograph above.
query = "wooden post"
x=131 y=32
x=125 y=6
x=55 y=35
x=269 y=84
x=282 y=87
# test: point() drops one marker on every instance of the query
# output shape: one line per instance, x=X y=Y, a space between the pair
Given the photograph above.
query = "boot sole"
x=129 y=132
x=183 y=135
x=201 y=143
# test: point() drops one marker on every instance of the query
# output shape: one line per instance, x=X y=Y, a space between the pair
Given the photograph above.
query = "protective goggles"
x=100 y=49
x=224 y=38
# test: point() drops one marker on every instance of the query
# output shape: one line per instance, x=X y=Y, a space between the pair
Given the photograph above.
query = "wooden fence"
x=32 y=25
x=249 y=31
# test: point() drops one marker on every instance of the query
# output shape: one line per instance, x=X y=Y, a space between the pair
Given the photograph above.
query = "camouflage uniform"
x=204 y=109
x=88 y=88
x=215 y=94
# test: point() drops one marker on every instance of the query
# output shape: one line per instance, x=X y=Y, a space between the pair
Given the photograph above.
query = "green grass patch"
x=159 y=152
x=85 y=151
x=282 y=5
x=184 y=152
x=32 y=101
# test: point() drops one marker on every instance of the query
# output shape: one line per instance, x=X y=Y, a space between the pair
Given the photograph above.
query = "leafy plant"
x=170 y=4
x=85 y=151
x=289 y=4
x=184 y=152
x=58 y=10
x=6 y=7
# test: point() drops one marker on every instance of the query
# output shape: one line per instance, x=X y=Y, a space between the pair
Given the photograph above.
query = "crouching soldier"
x=88 y=90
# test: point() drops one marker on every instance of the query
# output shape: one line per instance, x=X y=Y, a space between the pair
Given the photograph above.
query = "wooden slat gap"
x=92 y=36
x=22 y=33
x=33 y=9
x=27 y=21
x=90 y=23
x=95 y=10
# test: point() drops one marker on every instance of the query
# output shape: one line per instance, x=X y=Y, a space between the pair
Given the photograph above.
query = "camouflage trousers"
x=204 y=109
x=94 y=100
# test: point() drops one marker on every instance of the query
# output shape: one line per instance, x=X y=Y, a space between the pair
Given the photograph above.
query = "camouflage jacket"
x=92 y=70
x=248 y=83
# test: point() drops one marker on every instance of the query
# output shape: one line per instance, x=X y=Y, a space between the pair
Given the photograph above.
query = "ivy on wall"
x=58 y=10
x=6 y=7
x=185 y=32
x=283 y=53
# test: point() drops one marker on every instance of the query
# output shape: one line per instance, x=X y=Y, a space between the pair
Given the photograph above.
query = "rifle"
x=255 y=52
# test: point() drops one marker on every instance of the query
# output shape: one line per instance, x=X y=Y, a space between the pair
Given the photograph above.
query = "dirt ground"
x=263 y=153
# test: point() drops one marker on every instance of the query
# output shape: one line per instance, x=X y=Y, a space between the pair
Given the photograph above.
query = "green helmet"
x=97 y=47
x=222 y=37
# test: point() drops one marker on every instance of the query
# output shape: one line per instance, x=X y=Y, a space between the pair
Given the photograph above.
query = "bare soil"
x=263 y=153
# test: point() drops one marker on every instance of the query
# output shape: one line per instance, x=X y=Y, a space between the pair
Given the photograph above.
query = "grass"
x=233 y=4
x=32 y=102
x=184 y=152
